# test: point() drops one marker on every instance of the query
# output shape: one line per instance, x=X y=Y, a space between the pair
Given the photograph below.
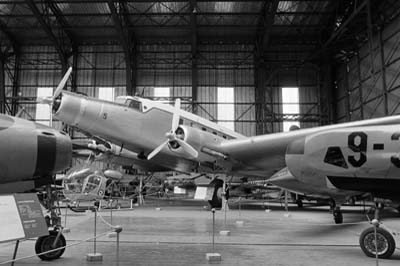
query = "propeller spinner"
x=174 y=139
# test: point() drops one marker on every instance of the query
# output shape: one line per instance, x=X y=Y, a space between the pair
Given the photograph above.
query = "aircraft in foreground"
x=31 y=154
x=171 y=138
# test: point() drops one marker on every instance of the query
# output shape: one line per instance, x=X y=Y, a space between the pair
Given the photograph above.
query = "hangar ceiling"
x=63 y=22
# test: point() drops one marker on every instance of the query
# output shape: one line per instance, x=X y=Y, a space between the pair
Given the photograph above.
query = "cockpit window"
x=134 y=104
x=334 y=156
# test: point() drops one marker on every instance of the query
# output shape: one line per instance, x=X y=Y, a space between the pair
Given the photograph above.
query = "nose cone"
x=69 y=109
x=283 y=179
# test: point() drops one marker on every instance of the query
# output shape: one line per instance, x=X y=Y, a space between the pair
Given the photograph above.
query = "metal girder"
x=2 y=87
x=267 y=19
x=118 y=26
x=126 y=40
x=60 y=20
x=9 y=36
x=193 y=40
x=49 y=32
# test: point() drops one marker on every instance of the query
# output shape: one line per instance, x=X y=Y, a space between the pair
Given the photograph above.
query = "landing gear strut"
x=376 y=241
x=55 y=239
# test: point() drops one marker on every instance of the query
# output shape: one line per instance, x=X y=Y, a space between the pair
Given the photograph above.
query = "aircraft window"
x=335 y=157
x=93 y=183
x=224 y=136
x=134 y=104
x=215 y=133
x=204 y=129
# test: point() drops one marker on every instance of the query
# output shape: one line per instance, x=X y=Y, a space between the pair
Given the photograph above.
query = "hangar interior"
x=342 y=55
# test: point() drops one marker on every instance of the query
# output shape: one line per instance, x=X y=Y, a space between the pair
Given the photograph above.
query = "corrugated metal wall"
x=368 y=82
x=170 y=65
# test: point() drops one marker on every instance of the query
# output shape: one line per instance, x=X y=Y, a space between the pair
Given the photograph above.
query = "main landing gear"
x=377 y=241
x=55 y=239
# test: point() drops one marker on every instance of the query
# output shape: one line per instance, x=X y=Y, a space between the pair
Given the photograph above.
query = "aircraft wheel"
x=299 y=203
x=338 y=217
x=45 y=243
x=385 y=243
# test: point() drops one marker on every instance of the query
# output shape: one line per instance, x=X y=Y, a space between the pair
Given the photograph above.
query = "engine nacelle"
x=359 y=158
x=199 y=140
x=31 y=151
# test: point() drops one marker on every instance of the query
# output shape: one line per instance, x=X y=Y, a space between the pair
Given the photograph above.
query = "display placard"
x=21 y=217
x=31 y=215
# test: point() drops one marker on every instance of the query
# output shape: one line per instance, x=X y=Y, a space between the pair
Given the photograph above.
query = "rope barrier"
x=49 y=251
x=105 y=222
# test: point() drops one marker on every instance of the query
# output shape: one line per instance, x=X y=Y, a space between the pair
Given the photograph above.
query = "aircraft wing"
x=265 y=154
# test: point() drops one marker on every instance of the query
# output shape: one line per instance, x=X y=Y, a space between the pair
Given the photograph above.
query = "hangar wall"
x=170 y=65
x=367 y=82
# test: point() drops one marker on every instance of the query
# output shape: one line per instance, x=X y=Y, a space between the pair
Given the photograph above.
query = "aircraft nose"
x=68 y=109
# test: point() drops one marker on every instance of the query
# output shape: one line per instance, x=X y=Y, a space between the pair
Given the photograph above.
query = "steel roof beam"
x=49 y=33
x=13 y=43
x=148 y=1
x=193 y=23
x=60 y=20
x=265 y=24
x=126 y=41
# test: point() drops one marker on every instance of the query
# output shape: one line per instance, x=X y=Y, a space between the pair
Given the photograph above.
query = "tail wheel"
x=384 y=244
x=45 y=243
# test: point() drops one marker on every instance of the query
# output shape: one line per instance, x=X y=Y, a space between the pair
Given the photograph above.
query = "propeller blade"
x=157 y=150
x=62 y=83
x=176 y=116
x=50 y=100
x=187 y=148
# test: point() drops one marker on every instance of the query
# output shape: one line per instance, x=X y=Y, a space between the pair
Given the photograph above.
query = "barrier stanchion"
x=95 y=256
x=118 y=230
x=213 y=257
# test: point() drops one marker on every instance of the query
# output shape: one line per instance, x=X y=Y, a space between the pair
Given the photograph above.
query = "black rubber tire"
x=338 y=217
x=386 y=243
x=216 y=201
x=44 y=243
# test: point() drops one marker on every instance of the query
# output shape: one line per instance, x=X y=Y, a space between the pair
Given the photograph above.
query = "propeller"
x=50 y=99
x=172 y=136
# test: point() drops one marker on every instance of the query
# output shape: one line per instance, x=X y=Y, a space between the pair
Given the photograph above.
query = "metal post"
x=15 y=252
x=96 y=205
x=111 y=207
x=65 y=219
x=240 y=206
x=213 y=229
x=118 y=230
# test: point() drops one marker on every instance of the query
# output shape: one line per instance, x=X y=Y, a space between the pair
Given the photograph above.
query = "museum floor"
x=182 y=236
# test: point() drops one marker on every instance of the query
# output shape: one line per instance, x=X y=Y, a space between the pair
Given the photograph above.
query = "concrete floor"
x=182 y=236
